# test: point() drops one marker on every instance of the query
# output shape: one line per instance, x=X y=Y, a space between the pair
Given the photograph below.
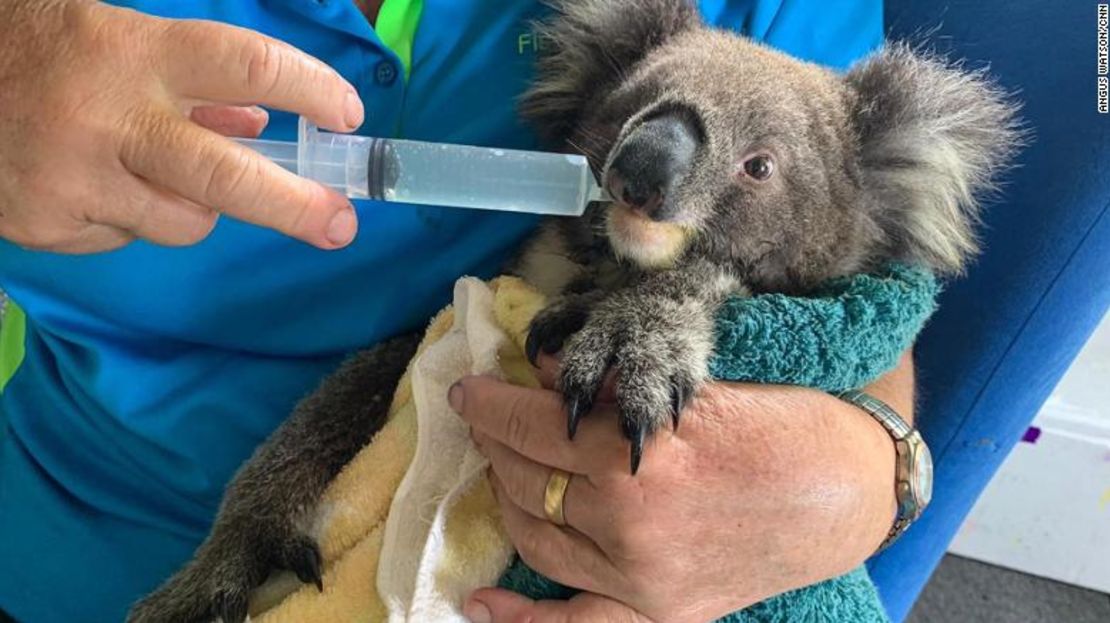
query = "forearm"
x=896 y=388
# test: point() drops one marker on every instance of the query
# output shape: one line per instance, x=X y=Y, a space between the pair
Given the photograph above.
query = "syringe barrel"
x=441 y=174
x=438 y=174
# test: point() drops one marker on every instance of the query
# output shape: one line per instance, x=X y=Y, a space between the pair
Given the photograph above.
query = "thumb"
x=495 y=605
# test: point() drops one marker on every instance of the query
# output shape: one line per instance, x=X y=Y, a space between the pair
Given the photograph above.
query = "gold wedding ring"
x=554 y=497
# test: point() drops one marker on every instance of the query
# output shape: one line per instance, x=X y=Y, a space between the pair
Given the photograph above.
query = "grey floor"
x=967 y=591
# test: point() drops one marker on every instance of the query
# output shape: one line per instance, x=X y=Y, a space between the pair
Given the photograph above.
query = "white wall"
x=1047 y=511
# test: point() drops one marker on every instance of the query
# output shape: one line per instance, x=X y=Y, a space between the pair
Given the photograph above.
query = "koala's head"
x=714 y=146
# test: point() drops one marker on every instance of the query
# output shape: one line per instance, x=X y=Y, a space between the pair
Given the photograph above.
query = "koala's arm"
x=657 y=332
x=264 y=521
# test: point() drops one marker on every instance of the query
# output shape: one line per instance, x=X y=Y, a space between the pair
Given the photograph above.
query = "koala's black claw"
x=576 y=408
x=636 y=432
x=680 y=394
x=532 y=346
x=231 y=606
x=678 y=401
x=554 y=343
x=304 y=561
x=637 y=453
x=546 y=338
x=551 y=328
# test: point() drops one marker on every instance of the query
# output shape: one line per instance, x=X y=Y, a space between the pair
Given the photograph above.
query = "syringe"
x=437 y=173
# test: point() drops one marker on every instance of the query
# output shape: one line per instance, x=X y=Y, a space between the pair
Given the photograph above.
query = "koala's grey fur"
x=883 y=163
x=932 y=139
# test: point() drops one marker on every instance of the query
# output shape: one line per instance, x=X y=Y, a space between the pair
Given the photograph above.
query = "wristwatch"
x=913 y=479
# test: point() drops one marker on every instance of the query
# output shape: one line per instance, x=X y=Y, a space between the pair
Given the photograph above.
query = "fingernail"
x=353 y=110
x=477 y=612
x=341 y=230
x=455 y=396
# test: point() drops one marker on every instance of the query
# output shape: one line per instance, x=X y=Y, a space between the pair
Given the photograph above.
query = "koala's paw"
x=660 y=355
x=216 y=585
x=551 y=327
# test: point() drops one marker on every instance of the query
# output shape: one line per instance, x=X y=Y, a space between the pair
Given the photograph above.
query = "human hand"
x=763 y=489
x=110 y=124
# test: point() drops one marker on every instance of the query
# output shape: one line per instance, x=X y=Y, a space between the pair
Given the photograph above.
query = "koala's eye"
x=759 y=167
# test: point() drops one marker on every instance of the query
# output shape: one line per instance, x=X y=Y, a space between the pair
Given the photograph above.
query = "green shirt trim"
x=12 y=332
x=396 y=27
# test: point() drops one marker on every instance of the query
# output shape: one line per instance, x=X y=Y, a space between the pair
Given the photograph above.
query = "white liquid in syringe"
x=484 y=178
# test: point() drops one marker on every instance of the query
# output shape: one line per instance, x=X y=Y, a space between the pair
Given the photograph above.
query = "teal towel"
x=850 y=598
x=846 y=335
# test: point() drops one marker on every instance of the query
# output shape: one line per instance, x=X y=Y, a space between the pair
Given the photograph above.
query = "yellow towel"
x=352 y=519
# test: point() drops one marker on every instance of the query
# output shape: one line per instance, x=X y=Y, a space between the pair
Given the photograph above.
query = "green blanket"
x=845 y=336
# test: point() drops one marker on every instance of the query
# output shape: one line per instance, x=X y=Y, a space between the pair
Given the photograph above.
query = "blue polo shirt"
x=148 y=374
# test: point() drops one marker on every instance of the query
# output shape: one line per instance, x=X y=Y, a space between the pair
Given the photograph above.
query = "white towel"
x=411 y=578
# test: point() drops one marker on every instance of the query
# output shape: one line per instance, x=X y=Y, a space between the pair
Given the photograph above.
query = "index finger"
x=214 y=171
x=227 y=64
x=533 y=422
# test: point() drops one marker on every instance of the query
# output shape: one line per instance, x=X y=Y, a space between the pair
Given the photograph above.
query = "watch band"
x=896 y=530
x=912 y=455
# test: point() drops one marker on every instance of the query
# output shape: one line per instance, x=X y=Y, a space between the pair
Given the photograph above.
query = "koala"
x=733 y=170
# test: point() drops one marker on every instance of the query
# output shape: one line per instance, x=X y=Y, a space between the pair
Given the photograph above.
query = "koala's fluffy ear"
x=588 y=46
x=933 y=139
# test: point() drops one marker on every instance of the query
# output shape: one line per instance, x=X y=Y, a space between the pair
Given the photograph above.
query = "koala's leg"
x=263 y=520
x=658 y=334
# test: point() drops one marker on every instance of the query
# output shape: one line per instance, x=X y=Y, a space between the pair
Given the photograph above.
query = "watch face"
x=922 y=476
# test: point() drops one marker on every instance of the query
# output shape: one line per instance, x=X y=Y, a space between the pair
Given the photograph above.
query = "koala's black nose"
x=650 y=162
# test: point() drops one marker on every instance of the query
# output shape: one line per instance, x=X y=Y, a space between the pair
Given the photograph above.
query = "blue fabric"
x=152 y=373
x=1005 y=335
x=848 y=334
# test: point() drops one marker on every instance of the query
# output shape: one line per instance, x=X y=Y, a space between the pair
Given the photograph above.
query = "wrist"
x=879 y=503
x=888 y=403
x=895 y=388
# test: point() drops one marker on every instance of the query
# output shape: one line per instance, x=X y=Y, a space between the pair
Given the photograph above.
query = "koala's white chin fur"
x=646 y=243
